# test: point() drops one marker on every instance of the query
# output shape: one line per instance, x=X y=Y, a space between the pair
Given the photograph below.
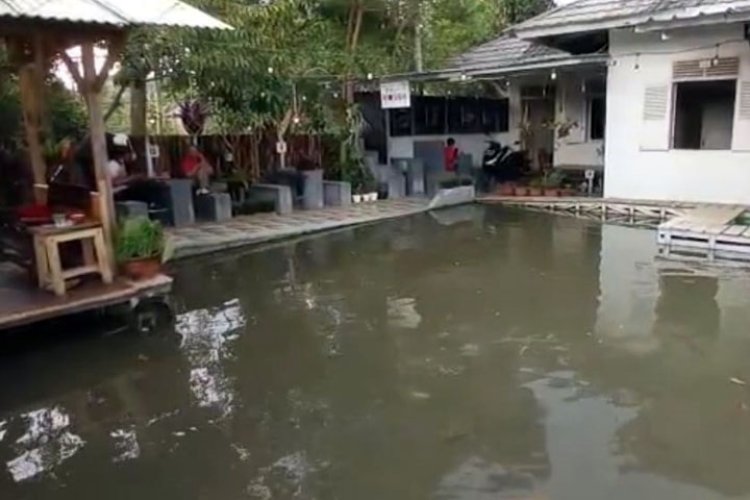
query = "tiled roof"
x=583 y=15
x=505 y=53
x=111 y=12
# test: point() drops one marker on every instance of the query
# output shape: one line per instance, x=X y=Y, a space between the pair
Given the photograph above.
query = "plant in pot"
x=551 y=183
x=507 y=189
x=535 y=187
x=140 y=247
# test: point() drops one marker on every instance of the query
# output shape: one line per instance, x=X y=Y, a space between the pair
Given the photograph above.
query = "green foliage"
x=139 y=238
x=66 y=114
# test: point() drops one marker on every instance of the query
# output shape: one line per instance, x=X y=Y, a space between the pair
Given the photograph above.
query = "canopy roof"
x=117 y=13
x=593 y=15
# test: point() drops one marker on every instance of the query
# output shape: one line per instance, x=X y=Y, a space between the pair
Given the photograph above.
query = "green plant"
x=139 y=238
x=553 y=179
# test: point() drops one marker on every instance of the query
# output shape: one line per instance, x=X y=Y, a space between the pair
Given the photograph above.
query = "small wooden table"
x=46 y=250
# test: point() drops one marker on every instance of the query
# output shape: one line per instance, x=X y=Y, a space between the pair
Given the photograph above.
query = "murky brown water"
x=469 y=354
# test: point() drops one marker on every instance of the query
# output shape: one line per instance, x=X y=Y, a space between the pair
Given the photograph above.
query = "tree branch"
x=72 y=69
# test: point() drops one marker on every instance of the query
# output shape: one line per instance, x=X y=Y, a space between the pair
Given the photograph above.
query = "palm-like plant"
x=193 y=114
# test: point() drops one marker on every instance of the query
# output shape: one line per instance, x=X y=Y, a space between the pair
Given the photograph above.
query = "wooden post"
x=31 y=81
x=90 y=89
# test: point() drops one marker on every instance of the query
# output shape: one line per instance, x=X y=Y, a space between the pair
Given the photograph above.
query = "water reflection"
x=205 y=337
x=466 y=354
x=46 y=443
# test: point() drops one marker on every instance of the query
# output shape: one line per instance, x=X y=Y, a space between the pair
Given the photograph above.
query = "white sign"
x=153 y=150
x=590 y=174
x=281 y=148
x=394 y=95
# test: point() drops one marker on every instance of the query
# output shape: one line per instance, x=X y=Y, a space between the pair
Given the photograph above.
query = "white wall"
x=576 y=150
x=638 y=158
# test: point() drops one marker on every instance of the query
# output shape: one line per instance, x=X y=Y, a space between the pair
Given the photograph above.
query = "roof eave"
x=639 y=24
x=510 y=70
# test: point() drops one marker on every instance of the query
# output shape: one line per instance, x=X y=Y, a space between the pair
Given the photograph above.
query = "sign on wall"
x=395 y=95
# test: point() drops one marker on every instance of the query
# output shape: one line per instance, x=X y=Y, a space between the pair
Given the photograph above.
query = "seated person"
x=195 y=166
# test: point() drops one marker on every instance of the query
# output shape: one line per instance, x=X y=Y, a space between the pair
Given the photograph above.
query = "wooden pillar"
x=33 y=126
x=31 y=82
x=91 y=91
x=90 y=84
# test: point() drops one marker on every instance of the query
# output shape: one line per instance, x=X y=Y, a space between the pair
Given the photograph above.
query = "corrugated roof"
x=506 y=53
x=586 y=15
x=119 y=13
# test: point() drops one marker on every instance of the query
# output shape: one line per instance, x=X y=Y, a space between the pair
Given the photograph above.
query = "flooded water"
x=468 y=354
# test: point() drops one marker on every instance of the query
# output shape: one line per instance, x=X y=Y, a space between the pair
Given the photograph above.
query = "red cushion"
x=34 y=213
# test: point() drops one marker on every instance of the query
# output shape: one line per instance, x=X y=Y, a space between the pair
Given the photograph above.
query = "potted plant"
x=535 y=187
x=552 y=182
x=507 y=189
x=140 y=247
x=521 y=190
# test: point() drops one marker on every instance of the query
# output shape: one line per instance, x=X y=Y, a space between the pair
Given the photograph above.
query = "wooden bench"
x=50 y=272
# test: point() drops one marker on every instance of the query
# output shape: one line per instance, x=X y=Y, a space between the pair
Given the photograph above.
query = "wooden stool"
x=46 y=249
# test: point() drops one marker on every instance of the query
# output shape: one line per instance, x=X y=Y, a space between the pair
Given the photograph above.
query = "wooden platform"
x=709 y=231
x=614 y=209
x=21 y=303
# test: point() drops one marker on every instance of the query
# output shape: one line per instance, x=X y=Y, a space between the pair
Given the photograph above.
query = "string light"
x=637 y=65
x=664 y=36
x=715 y=60
x=270 y=70
x=296 y=120
x=553 y=75
x=370 y=76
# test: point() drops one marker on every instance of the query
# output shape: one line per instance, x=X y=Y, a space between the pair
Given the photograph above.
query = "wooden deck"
x=614 y=209
x=709 y=231
x=22 y=304
x=691 y=230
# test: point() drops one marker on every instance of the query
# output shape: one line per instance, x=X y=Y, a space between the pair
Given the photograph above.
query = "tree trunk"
x=418 y=56
x=138 y=108
x=354 y=29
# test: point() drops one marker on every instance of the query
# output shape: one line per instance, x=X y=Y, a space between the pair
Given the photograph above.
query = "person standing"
x=450 y=156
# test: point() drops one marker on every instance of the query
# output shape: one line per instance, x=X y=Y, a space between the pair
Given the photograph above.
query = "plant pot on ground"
x=506 y=189
x=140 y=247
x=535 y=187
x=521 y=191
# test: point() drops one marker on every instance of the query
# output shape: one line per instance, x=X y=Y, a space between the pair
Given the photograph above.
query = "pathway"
x=260 y=228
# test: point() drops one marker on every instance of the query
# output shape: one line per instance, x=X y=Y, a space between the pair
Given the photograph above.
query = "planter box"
x=454 y=196
x=312 y=199
x=337 y=193
x=213 y=207
x=281 y=196
x=179 y=200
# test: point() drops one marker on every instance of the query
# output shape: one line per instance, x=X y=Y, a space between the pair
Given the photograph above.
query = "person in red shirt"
x=195 y=166
x=450 y=156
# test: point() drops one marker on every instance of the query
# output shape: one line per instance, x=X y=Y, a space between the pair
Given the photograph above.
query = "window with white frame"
x=704 y=95
x=703 y=114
